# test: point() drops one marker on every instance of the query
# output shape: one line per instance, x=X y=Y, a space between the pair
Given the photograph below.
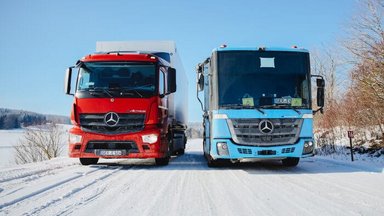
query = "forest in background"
x=12 y=119
x=354 y=72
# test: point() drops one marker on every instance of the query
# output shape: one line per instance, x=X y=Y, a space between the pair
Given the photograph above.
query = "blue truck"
x=257 y=104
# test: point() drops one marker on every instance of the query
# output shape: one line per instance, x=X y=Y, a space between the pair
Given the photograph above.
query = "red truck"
x=130 y=101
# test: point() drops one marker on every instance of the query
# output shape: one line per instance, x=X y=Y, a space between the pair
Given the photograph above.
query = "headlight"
x=73 y=138
x=150 y=138
x=222 y=148
x=308 y=147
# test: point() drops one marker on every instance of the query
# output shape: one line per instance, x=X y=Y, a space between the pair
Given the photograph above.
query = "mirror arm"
x=320 y=109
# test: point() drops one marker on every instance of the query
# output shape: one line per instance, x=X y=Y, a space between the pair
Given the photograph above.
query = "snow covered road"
x=317 y=186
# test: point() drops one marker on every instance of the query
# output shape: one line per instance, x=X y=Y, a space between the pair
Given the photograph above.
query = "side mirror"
x=200 y=82
x=320 y=96
x=67 y=81
x=320 y=83
x=320 y=92
x=171 y=80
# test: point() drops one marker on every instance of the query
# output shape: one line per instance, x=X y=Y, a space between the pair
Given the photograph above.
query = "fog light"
x=308 y=147
x=73 y=138
x=150 y=138
x=222 y=148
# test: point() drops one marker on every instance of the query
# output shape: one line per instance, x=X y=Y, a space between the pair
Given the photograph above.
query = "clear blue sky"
x=39 y=39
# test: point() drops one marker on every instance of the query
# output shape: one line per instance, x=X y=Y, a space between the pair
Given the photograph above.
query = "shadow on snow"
x=194 y=160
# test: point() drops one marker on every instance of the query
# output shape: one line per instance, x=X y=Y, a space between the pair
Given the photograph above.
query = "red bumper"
x=142 y=150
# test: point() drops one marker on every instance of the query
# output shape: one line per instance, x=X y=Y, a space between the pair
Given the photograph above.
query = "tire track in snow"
x=14 y=185
x=45 y=189
x=77 y=189
x=128 y=190
x=25 y=172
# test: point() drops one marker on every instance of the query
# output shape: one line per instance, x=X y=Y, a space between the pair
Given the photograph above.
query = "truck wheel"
x=162 y=161
x=180 y=152
x=170 y=144
x=291 y=161
x=205 y=154
x=88 y=161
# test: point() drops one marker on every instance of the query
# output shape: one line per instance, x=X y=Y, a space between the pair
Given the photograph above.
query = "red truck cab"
x=121 y=108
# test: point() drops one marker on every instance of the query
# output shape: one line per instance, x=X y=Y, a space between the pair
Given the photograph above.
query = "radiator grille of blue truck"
x=248 y=131
x=128 y=123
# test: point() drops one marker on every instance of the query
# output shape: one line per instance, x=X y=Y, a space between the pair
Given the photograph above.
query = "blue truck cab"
x=257 y=104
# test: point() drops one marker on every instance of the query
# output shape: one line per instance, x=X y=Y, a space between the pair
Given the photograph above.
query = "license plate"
x=110 y=152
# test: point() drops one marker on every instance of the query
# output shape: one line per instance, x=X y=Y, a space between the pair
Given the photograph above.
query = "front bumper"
x=90 y=145
x=236 y=151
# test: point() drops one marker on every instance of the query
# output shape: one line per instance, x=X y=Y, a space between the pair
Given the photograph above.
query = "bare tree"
x=38 y=144
x=366 y=46
x=328 y=64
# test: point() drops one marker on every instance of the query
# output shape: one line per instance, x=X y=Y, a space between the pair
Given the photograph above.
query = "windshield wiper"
x=240 y=106
x=232 y=106
x=129 y=91
x=132 y=90
x=100 y=89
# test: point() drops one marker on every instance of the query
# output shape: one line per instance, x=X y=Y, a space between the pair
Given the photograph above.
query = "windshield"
x=263 y=79
x=117 y=79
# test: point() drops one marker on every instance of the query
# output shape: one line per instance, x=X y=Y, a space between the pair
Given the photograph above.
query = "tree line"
x=354 y=74
x=11 y=119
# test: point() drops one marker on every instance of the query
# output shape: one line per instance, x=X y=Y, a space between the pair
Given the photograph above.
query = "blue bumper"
x=236 y=151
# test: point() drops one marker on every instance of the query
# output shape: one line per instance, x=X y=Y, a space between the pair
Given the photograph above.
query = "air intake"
x=244 y=151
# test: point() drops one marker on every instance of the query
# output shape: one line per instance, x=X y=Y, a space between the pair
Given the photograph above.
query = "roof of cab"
x=230 y=48
x=120 y=56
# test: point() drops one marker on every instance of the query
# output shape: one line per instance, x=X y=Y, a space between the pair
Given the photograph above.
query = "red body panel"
x=120 y=57
x=118 y=105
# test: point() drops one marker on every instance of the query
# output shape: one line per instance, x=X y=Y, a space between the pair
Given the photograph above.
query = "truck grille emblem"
x=111 y=119
x=266 y=127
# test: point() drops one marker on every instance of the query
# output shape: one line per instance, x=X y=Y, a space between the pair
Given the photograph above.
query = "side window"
x=83 y=81
x=161 y=82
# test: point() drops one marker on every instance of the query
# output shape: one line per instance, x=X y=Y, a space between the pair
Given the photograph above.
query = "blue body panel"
x=221 y=133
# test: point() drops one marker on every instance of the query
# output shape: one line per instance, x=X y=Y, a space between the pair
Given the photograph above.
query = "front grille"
x=128 y=146
x=128 y=123
x=247 y=132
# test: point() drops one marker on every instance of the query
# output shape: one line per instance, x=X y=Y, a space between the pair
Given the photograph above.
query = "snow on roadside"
x=31 y=169
x=10 y=138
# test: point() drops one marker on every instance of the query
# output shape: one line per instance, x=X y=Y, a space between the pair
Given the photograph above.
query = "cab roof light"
x=223 y=46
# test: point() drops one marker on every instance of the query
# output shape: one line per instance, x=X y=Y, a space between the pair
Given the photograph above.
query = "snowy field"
x=317 y=186
x=10 y=138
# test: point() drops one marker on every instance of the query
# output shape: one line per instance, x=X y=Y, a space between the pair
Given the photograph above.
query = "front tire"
x=88 y=161
x=218 y=162
x=291 y=161
x=181 y=152
x=162 y=161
